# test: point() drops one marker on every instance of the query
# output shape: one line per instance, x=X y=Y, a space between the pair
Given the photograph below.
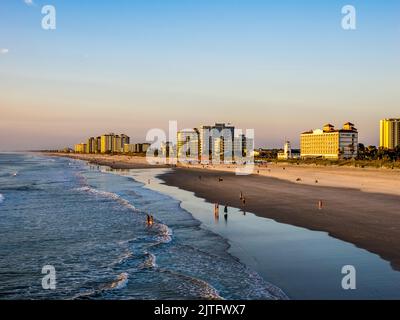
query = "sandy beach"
x=369 y=220
x=359 y=206
x=373 y=180
x=114 y=161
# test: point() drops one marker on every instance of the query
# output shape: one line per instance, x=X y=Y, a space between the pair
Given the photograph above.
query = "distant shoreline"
x=112 y=161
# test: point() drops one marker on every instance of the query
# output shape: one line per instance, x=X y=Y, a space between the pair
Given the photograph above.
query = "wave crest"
x=109 y=195
x=120 y=283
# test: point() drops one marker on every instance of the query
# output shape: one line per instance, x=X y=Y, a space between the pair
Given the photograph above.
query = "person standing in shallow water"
x=216 y=209
x=226 y=213
x=150 y=220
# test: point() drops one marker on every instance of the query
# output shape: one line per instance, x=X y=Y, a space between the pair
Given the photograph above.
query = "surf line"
x=176 y=311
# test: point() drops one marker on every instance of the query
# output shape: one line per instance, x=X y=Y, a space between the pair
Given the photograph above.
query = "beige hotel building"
x=330 y=143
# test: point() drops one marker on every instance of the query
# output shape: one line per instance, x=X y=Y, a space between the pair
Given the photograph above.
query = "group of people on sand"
x=150 y=220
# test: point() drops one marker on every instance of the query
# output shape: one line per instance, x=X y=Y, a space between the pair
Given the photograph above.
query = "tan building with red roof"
x=330 y=143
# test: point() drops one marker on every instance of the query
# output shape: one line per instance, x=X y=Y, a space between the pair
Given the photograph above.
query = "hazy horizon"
x=280 y=68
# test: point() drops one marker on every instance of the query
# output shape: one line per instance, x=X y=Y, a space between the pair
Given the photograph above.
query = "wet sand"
x=370 y=220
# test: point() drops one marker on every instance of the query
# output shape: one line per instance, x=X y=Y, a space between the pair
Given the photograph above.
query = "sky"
x=127 y=66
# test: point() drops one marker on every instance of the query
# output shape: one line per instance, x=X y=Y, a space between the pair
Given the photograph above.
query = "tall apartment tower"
x=116 y=144
x=107 y=143
x=124 y=140
x=389 y=133
x=213 y=139
x=188 y=144
x=91 y=145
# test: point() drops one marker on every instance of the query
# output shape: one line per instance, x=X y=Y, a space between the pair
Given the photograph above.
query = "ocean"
x=91 y=226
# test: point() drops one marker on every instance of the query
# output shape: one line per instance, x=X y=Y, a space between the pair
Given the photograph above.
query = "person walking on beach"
x=320 y=205
x=216 y=212
x=226 y=209
x=216 y=209
x=241 y=195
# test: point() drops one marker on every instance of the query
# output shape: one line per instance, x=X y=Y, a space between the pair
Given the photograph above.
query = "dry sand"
x=373 y=180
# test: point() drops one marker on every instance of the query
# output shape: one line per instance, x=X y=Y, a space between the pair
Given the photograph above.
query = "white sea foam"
x=1 y=198
x=194 y=286
x=149 y=262
x=124 y=257
x=109 y=195
x=121 y=282
x=165 y=235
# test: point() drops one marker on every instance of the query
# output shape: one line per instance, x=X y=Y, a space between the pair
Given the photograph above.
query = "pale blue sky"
x=280 y=67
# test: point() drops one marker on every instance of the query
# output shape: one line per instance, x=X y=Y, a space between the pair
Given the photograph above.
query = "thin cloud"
x=29 y=2
x=4 y=51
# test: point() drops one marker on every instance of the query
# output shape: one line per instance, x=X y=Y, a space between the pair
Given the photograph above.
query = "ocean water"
x=91 y=226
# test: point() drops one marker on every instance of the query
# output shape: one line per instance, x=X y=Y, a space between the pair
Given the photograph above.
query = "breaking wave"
x=194 y=286
x=149 y=262
x=120 y=283
x=109 y=195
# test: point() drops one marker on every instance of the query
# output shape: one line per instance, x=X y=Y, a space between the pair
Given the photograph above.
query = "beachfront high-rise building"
x=243 y=146
x=106 y=143
x=129 y=148
x=188 y=144
x=217 y=141
x=204 y=144
x=124 y=140
x=389 y=133
x=166 y=149
x=330 y=143
x=91 y=145
x=136 y=148
x=98 y=145
x=80 y=148
x=117 y=144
